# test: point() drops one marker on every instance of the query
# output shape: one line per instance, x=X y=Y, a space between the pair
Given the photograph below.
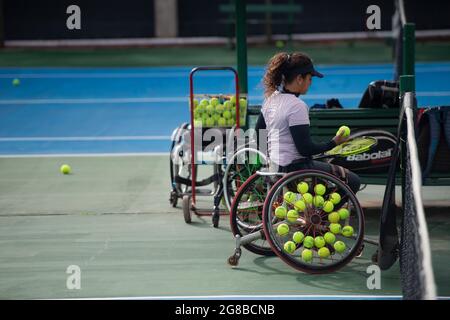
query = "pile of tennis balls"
x=295 y=204
x=219 y=111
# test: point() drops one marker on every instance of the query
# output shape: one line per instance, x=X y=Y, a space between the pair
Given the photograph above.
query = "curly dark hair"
x=280 y=69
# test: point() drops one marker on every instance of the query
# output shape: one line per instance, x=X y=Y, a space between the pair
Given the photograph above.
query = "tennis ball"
x=227 y=114
x=227 y=105
x=65 y=169
x=16 y=82
x=300 y=205
x=201 y=108
x=329 y=237
x=230 y=122
x=334 y=217
x=335 y=228
x=220 y=108
x=292 y=215
x=290 y=197
x=344 y=131
x=302 y=187
x=298 y=237
x=242 y=103
x=335 y=198
x=339 y=246
x=320 y=189
x=233 y=99
x=209 y=122
x=307 y=255
x=343 y=213
x=328 y=206
x=210 y=109
x=324 y=252
x=308 y=242
x=290 y=246
x=204 y=102
x=198 y=122
x=283 y=229
x=280 y=212
x=319 y=242
x=214 y=101
x=307 y=197
x=347 y=231
x=221 y=122
x=318 y=201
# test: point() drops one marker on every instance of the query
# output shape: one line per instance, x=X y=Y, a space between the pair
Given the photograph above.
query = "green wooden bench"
x=324 y=124
x=267 y=9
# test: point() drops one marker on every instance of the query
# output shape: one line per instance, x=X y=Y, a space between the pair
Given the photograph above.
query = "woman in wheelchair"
x=286 y=118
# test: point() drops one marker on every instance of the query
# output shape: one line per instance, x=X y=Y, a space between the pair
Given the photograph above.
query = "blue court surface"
x=89 y=111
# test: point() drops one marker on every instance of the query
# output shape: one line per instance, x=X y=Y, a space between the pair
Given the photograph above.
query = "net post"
x=409 y=49
x=241 y=43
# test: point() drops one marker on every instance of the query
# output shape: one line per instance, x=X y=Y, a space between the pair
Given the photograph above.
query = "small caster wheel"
x=215 y=218
x=233 y=260
x=187 y=209
x=360 y=251
x=375 y=257
x=173 y=199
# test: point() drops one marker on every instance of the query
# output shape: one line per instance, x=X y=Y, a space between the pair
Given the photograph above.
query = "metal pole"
x=241 y=44
x=409 y=49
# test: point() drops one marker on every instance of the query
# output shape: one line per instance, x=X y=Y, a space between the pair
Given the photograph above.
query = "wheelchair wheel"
x=246 y=212
x=241 y=166
x=308 y=232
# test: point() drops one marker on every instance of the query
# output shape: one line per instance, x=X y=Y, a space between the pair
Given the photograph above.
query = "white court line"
x=260 y=297
x=100 y=138
x=85 y=155
x=180 y=74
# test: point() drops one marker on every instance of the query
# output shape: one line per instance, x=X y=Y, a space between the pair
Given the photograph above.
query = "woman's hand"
x=340 y=138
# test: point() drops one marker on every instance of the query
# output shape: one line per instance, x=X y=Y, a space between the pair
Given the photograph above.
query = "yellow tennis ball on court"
x=65 y=169
x=328 y=206
x=283 y=229
x=302 y=187
x=290 y=197
x=334 y=217
x=343 y=213
x=339 y=246
x=319 y=189
x=307 y=197
x=318 y=201
x=298 y=237
x=292 y=215
x=335 y=228
x=308 y=242
x=324 y=252
x=347 y=231
x=290 y=246
x=319 y=242
x=280 y=212
x=307 y=255
x=344 y=131
x=16 y=82
x=335 y=198
x=300 y=205
x=329 y=238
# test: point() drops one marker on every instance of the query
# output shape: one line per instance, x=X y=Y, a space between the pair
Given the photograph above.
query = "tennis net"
x=416 y=269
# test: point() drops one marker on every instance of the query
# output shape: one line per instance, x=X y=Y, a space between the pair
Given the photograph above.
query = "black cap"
x=309 y=68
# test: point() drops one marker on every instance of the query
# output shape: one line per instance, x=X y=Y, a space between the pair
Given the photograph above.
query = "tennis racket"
x=350 y=147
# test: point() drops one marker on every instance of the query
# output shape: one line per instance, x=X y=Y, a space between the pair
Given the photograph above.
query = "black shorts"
x=352 y=178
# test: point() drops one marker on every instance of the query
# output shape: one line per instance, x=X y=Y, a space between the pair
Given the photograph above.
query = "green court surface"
x=333 y=52
x=112 y=218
